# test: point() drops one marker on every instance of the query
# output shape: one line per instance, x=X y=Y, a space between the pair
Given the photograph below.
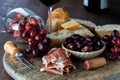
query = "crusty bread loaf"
x=59 y=16
x=106 y=29
x=63 y=27
x=59 y=36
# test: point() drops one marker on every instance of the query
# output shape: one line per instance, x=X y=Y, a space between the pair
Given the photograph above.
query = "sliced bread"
x=106 y=29
x=59 y=36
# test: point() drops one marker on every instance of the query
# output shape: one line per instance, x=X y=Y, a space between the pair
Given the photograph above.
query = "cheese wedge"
x=71 y=25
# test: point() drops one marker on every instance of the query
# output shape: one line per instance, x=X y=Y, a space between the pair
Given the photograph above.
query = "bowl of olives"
x=84 y=47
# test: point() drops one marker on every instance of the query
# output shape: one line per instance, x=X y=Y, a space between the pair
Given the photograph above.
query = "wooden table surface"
x=76 y=10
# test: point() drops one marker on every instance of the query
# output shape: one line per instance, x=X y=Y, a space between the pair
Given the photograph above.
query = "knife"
x=24 y=61
x=11 y=48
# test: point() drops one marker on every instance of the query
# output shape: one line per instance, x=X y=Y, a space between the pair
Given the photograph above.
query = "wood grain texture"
x=20 y=72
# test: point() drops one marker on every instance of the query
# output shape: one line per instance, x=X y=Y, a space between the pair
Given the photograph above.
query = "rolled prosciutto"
x=57 y=61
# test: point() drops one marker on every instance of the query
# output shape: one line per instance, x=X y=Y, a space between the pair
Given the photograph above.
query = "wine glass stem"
x=50 y=27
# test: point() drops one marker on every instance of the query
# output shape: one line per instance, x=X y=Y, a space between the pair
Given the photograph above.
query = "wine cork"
x=95 y=63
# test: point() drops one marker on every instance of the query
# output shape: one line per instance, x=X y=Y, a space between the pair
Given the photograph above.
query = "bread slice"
x=83 y=32
x=106 y=29
x=59 y=36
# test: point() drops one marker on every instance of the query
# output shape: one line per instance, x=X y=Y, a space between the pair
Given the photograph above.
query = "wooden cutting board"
x=20 y=72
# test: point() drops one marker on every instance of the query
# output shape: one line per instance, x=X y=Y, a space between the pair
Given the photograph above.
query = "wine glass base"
x=4 y=9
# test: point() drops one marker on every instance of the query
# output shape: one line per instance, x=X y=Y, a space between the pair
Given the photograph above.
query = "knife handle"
x=11 y=48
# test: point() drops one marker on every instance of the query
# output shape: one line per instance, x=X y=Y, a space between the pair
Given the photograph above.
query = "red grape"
x=32 y=43
x=30 y=39
x=36 y=29
x=71 y=46
x=26 y=35
x=43 y=32
x=100 y=44
x=21 y=29
x=113 y=42
x=115 y=33
x=24 y=22
x=16 y=35
x=46 y=40
x=115 y=38
x=86 y=49
x=42 y=47
x=86 y=42
x=67 y=41
x=14 y=21
x=33 y=33
x=39 y=37
x=10 y=30
x=79 y=45
x=10 y=26
x=115 y=50
x=28 y=26
x=118 y=43
x=35 y=53
x=28 y=50
x=33 y=21
x=107 y=38
x=88 y=38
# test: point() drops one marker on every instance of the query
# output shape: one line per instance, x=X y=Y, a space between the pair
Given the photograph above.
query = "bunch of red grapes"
x=31 y=31
x=113 y=44
x=80 y=43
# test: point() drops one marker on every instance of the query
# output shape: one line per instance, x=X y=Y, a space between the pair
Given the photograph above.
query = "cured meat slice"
x=57 y=61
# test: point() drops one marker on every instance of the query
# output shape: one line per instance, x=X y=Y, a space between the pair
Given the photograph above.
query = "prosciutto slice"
x=57 y=61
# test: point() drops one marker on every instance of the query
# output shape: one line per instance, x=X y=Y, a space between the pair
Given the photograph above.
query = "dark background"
x=75 y=8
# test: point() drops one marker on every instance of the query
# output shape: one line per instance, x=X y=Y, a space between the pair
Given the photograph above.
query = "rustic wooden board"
x=20 y=72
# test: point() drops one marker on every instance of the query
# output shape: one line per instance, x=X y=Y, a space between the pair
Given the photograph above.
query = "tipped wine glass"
x=4 y=10
x=50 y=4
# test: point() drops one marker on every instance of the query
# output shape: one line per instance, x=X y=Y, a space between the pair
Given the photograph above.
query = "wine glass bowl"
x=17 y=22
x=50 y=4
